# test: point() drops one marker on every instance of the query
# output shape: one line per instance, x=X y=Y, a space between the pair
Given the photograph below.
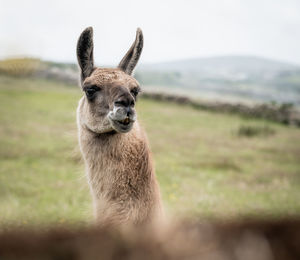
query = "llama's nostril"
x=129 y=112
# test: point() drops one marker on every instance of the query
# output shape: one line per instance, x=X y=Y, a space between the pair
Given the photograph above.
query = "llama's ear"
x=85 y=53
x=131 y=58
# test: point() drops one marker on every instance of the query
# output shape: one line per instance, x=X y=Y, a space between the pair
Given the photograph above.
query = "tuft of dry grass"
x=251 y=131
x=19 y=66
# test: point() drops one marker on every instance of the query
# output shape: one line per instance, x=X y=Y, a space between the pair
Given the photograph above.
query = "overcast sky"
x=173 y=29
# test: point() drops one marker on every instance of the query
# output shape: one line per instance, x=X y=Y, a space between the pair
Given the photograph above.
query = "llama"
x=115 y=149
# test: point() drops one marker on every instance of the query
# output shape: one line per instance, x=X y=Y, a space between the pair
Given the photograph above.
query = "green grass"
x=203 y=165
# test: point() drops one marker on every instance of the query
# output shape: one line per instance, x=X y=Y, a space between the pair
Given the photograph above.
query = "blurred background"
x=220 y=104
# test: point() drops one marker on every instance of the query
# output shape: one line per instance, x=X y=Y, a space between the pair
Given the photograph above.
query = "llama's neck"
x=115 y=160
x=120 y=174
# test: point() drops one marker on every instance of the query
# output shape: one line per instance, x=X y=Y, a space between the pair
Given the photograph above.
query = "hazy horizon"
x=158 y=62
x=173 y=30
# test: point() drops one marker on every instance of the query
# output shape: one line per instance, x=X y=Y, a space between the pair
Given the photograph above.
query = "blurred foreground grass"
x=204 y=165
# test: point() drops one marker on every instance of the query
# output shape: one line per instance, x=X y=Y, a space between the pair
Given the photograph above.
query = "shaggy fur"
x=117 y=157
x=246 y=240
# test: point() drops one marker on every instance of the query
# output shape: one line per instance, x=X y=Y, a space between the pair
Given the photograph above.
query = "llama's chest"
x=118 y=176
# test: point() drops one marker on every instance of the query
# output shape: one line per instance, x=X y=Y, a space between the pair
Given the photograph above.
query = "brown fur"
x=238 y=240
x=118 y=164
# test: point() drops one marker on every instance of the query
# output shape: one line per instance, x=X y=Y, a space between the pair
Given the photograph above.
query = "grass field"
x=204 y=164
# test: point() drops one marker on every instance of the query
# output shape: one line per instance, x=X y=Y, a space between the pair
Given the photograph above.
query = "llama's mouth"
x=122 y=126
x=125 y=122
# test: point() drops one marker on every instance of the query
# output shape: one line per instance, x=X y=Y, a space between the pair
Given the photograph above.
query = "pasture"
x=207 y=164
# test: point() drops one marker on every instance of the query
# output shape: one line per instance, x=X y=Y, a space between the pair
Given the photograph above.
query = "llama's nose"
x=126 y=103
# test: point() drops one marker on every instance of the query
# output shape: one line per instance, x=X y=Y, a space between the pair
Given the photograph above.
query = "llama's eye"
x=134 y=92
x=91 y=91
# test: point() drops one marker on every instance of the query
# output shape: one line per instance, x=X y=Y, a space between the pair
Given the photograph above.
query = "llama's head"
x=109 y=97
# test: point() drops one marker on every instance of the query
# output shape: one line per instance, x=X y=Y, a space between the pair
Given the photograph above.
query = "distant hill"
x=249 y=64
x=235 y=78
